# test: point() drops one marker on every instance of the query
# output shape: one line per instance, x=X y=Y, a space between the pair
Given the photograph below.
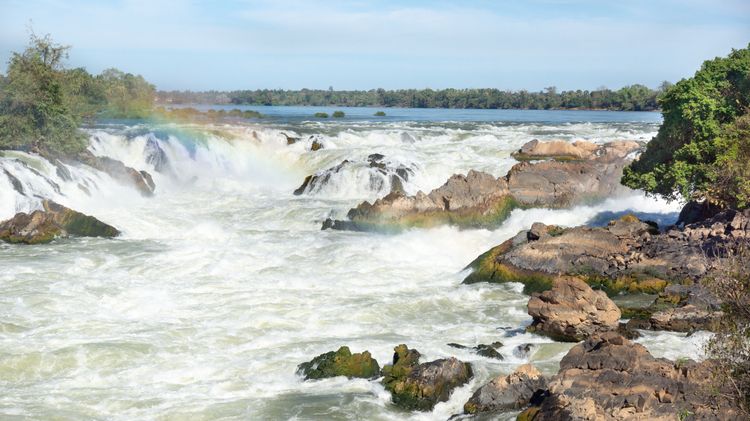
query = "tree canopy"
x=629 y=98
x=701 y=151
x=42 y=103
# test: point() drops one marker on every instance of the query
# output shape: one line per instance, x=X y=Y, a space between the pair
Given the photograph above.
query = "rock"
x=480 y=200
x=417 y=386
x=483 y=350
x=378 y=170
x=54 y=221
x=611 y=378
x=290 y=140
x=687 y=318
x=628 y=255
x=694 y=212
x=523 y=350
x=155 y=155
x=316 y=146
x=340 y=363
x=571 y=311
x=141 y=180
x=513 y=391
x=15 y=182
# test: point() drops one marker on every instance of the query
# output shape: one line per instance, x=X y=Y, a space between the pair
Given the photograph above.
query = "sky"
x=365 y=44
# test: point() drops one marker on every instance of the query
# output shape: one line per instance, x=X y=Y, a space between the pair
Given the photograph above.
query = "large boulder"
x=481 y=200
x=608 y=377
x=687 y=318
x=420 y=386
x=340 y=363
x=571 y=311
x=513 y=391
x=42 y=226
x=628 y=255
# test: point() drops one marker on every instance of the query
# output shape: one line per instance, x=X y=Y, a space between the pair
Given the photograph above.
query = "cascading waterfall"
x=223 y=282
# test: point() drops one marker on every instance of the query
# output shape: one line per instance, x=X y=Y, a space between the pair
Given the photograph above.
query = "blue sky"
x=360 y=44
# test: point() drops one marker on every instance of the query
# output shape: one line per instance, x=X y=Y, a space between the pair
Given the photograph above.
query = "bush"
x=338 y=114
x=321 y=115
x=703 y=130
x=380 y=114
x=729 y=348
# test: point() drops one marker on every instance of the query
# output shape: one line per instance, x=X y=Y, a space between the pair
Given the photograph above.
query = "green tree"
x=34 y=114
x=127 y=95
x=683 y=161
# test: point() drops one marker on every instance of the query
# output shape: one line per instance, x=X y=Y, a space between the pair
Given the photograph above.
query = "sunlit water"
x=223 y=281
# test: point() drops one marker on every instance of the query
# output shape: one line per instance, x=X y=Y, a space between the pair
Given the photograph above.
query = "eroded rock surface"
x=513 y=391
x=571 y=311
x=608 y=377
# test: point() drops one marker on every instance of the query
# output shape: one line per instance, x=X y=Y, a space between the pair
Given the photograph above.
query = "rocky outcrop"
x=562 y=150
x=155 y=155
x=513 y=391
x=608 y=377
x=43 y=226
x=627 y=255
x=379 y=170
x=571 y=311
x=478 y=199
x=420 y=386
x=687 y=318
x=340 y=363
x=141 y=180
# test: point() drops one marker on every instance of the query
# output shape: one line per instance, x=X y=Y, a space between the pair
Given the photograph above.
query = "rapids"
x=223 y=281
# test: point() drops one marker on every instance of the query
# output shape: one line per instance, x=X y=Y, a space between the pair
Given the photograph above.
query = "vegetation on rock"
x=340 y=363
x=338 y=114
x=702 y=148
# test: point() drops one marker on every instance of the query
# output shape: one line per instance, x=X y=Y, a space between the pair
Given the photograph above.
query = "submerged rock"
x=421 y=386
x=54 y=221
x=571 y=311
x=380 y=172
x=481 y=200
x=155 y=155
x=141 y=180
x=483 y=350
x=340 y=363
x=608 y=377
x=513 y=391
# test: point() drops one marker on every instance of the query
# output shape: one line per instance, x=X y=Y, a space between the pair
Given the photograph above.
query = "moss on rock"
x=340 y=363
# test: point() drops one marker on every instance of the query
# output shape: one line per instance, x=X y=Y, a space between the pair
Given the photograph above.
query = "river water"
x=223 y=281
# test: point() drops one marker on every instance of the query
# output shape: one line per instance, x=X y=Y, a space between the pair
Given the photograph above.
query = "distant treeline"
x=629 y=98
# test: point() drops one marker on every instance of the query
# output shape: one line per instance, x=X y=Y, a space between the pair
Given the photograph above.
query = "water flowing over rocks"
x=513 y=391
x=141 y=180
x=571 y=311
x=627 y=255
x=420 y=386
x=43 y=226
x=483 y=350
x=340 y=363
x=480 y=200
x=381 y=173
x=608 y=377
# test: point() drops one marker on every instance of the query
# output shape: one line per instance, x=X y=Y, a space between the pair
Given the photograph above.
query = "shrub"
x=338 y=114
x=321 y=115
x=380 y=114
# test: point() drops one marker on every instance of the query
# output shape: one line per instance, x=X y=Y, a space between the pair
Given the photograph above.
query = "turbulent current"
x=222 y=282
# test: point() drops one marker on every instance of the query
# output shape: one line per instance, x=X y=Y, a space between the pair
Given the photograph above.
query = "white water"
x=223 y=282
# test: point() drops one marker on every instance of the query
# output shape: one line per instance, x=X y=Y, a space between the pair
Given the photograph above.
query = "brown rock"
x=513 y=391
x=572 y=311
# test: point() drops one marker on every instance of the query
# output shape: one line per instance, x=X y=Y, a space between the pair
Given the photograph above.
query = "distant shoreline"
x=629 y=98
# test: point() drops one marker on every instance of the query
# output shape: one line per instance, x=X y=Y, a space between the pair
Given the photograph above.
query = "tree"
x=684 y=160
x=33 y=112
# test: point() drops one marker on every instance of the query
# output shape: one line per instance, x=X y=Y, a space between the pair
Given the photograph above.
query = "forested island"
x=629 y=98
